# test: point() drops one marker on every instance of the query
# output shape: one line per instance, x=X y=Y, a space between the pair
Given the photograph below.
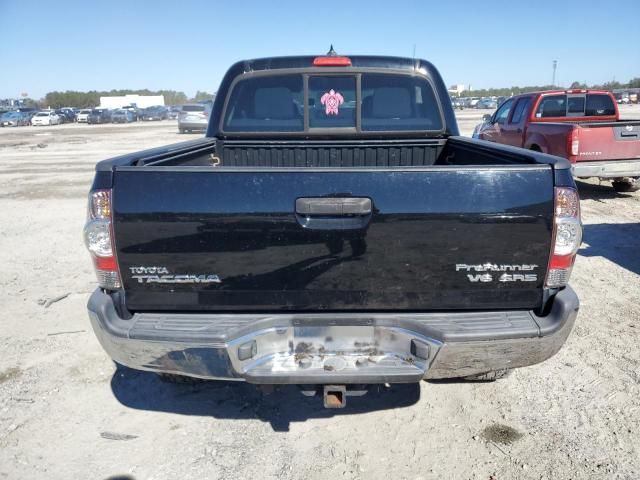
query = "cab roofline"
x=567 y=90
x=306 y=61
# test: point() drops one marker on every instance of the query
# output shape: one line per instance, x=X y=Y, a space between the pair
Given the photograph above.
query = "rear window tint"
x=266 y=104
x=332 y=102
x=552 y=106
x=575 y=105
x=394 y=102
x=388 y=102
x=193 y=108
x=595 y=104
x=599 y=105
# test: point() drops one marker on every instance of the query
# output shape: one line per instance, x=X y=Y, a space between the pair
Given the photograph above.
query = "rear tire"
x=626 y=186
x=181 y=130
x=489 y=376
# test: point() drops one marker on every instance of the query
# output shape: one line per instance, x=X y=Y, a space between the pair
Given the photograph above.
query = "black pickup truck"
x=333 y=229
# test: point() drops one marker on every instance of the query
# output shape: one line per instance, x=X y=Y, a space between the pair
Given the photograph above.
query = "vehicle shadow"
x=598 y=191
x=239 y=400
x=617 y=242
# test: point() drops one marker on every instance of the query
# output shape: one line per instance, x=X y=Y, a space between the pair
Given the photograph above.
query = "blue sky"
x=187 y=45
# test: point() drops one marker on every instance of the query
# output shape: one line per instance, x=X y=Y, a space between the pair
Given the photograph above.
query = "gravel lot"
x=66 y=413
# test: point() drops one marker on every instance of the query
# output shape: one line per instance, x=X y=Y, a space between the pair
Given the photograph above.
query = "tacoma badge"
x=157 y=274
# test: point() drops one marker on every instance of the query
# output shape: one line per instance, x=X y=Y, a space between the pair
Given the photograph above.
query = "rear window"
x=599 y=105
x=193 y=108
x=393 y=102
x=575 y=106
x=332 y=101
x=42 y=114
x=388 y=102
x=266 y=104
x=589 y=105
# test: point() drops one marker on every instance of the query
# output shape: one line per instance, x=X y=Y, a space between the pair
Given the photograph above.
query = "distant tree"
x=30 y=103
x=92 y=98
x=611 y=85
x=489 y=92
x=203 y=96
x=171 y=97
x=634 y=83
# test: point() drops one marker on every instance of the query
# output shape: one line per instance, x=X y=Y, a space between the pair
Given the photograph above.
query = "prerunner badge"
x=332 y=101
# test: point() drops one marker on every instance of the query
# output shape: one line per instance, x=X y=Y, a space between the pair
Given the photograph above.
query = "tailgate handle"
x=333 y=207
x=347 y=213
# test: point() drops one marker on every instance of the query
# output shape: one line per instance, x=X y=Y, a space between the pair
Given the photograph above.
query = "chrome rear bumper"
x=332 y=348
x=607 y=169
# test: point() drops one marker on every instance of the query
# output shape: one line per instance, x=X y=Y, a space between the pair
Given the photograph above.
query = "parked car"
x=122 y=116
x=173 y=112
x=14 y=119
x=471 y=102
x=46 y=117
x=457 y=103
x=82 y=115
x=99 y=115
x=69 y=116
x=486 y=103
x=194 y=117
x=622 y=98
x=135 y=111
x=299 y=260
x=154 y=113
x=580 y=125
x=61 y=114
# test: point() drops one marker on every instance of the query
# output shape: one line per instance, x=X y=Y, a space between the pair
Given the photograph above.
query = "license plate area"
x=338 y=354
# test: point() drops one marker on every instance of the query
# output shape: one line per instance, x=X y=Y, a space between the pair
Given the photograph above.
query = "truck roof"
x=306 y=61
x=566 y=91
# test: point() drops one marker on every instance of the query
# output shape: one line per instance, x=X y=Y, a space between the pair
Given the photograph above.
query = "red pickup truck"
x=582 y=126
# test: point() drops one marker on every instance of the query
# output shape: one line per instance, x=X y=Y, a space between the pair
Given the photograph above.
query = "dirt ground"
x=66 y=413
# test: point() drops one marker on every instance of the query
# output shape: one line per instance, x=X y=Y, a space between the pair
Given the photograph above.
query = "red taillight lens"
x=567 y=236
x=573 y=144
x=98 y=237
x=332 y=61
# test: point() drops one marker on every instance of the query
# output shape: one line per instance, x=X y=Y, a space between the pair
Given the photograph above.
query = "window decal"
x=332 y=101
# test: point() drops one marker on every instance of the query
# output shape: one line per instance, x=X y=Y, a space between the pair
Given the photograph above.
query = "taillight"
x=567 y=236
x=98 y=237
x=573 y=144
x=332 y=61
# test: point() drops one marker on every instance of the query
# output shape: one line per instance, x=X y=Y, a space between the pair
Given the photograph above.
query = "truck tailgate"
x=609 y=140
x=414 y=239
